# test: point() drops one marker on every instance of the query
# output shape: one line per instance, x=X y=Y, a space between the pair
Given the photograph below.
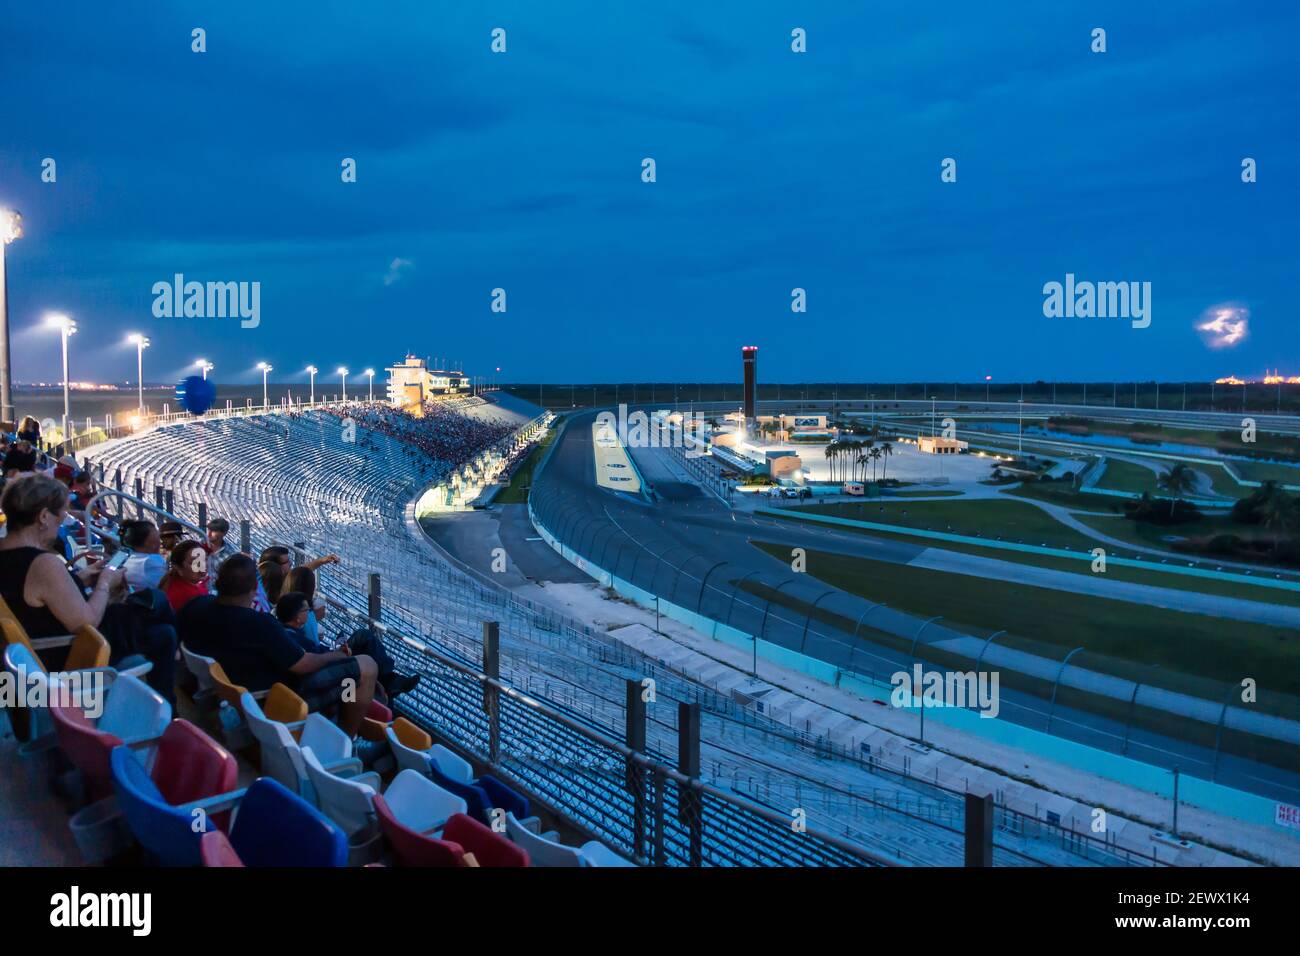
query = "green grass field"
x=517 y=491
x=993 y=518
x=1155 y=574
x=1208 y=647
x=1268 y=471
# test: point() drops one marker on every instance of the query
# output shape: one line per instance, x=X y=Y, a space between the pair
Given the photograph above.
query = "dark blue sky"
x=775 y=170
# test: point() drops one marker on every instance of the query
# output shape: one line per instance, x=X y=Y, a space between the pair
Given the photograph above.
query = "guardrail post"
x=158 y=496
x=690 y=809
x=661 y=788
x=203 y=515
x=979 y=830
x=245 y=537
x=139 y=493
x=635 y=738
x=171 y=501
x=374 y=602
x=492 y=667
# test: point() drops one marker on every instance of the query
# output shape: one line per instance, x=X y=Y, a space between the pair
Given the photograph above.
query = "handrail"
x=89 y=527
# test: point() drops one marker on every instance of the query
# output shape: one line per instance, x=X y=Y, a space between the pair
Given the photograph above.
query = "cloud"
x=396 y=269
x=1224 y=326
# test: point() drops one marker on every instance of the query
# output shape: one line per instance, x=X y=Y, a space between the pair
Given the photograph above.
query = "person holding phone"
x=44 y=595
x=50 y=600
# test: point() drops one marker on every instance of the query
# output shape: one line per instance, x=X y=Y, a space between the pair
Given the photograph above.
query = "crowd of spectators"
x=261 y=620
x=442 y=432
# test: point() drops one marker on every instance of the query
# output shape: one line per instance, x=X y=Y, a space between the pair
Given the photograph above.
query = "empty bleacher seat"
x=348 y=801
x=488 y=847
x=542 y=851
x=276 y=827
x=282 y=754
x=133 y=714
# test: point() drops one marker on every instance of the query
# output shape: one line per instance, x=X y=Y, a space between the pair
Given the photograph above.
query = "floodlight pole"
x=10 y=229
x=64 y=331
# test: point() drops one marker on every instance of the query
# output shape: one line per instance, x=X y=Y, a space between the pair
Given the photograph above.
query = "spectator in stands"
x=146 y=566
x=271 y=572
x=83 y=489
x=20 y=459
x=187 y=574
x=170 y=533
x=218 y=528
x=65 y=468
x=29 y=430
x=216 y=546
x=276 y=562
x=49 y=600
x=293 y=610
x=302 y=580
x=256 y=652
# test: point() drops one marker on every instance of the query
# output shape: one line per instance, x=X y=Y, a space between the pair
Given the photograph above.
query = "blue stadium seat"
x=275 y=827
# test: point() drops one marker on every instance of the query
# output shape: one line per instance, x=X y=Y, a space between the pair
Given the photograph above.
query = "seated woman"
x=49 y=600
x=187 y=574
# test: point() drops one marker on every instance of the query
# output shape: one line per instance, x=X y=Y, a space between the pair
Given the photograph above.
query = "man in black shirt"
x=256 y=651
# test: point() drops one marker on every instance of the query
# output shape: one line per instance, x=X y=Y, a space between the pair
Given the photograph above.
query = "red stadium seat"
x=192 y=766
x=87 y=747
x=215 y=850
x=489 y=848
x=412 y=848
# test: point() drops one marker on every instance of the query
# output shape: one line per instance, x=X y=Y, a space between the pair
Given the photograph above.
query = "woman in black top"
x=41 y=593
x=29 y=429
x=20 y=458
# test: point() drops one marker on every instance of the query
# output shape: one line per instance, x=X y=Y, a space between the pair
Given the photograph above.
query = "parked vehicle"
x=854 y=488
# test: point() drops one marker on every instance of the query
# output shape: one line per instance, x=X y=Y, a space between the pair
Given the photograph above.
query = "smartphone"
x=118 y=559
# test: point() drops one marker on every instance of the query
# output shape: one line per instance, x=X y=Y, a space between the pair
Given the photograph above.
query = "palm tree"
x=876 y=454
x=1279 y=514
x=830 y=460
x=886 y=449
x=1177 y=481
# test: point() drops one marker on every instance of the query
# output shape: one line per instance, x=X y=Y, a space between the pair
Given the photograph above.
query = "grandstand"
x=563 y=725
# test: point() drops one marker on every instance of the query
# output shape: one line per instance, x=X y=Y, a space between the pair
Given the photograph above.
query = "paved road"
x=688 y=547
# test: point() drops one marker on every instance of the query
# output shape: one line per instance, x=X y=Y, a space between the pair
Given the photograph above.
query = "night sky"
x=775 y=170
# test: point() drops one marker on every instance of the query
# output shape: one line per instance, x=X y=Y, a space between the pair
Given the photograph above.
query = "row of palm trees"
x=1269 y=506
x=853 y=457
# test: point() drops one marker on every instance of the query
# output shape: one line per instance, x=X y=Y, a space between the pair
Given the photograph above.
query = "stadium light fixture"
x=265 y=368
x=141 y=343
x=371 y=373
x=11 y=228
x=312 y=370
x=344 y=372
x=205 y=367
x=66 y=327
